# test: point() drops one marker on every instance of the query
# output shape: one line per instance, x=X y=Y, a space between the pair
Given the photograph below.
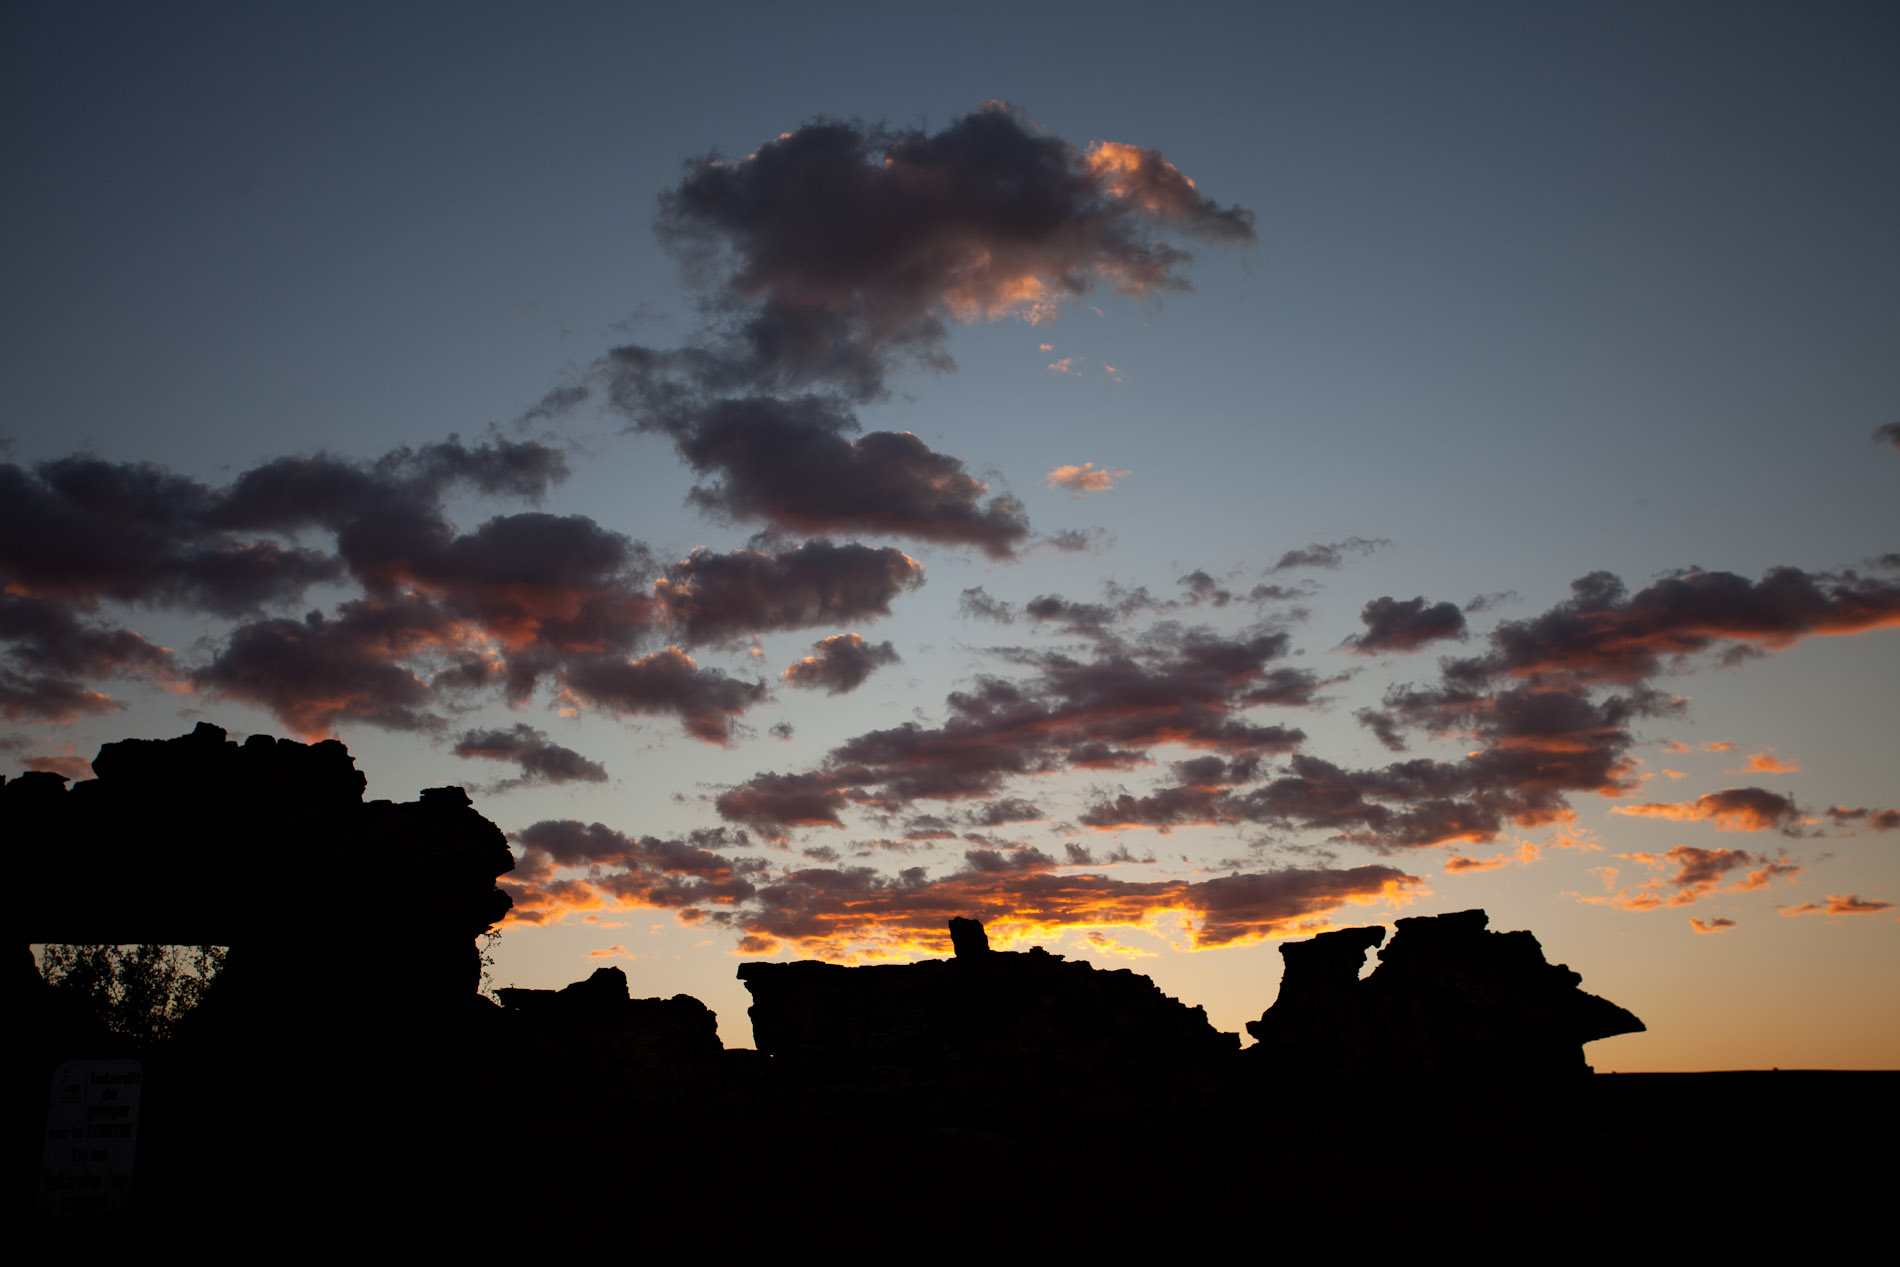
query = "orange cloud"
x=1768 y=763
x=1732 y=809
x=1850 y=904
x=1719 y=925
x=1698 y=873
x=1086 y=478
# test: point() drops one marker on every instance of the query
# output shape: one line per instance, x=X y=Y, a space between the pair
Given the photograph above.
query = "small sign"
x=92 y=1130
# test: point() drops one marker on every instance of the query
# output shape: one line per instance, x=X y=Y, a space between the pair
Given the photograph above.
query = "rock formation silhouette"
x=985 y=1018
x=200 y=841
x=1449 y=1002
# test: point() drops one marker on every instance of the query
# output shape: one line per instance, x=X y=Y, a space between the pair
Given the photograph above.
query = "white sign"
x=92 y=1130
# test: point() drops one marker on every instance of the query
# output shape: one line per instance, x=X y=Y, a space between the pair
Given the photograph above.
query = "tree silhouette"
x=138 y=992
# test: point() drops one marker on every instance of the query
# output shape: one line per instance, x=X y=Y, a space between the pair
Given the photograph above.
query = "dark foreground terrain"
x=342 y=1086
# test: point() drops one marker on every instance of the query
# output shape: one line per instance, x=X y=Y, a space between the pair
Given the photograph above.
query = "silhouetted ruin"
x=345 y=1070
x=201 y=841
x=985 y=1017
x=1448 y=1002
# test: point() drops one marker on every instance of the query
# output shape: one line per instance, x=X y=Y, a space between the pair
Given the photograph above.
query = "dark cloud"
x=976 y=602
x=1010 y=809
x=839 y=247
x=82 y=530
x=1888 y=433
x=771 y=803
x=1395 y=625
x=1264 y=593
x=721 y=598
x=791 y=463
x=1327 y=554
x=540 y=759
x=522 y=599
x=668 y=682
x=1176 y=687
x=1860 y=815
x=314 y=672
x=1548 y=709
x=622 y=870
x=838 y=252
x=840 y=664
x=1604 y=634
x=1074 y=540
x=1382 y=726
x=1203 y=588
x=51 y=654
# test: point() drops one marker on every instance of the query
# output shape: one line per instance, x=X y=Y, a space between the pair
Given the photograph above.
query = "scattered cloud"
x=840 y=664
x=1767 y=763
x=1720 y=924
x=1837 y=904
x=540 y=759
x=1732 y=809
x=1327 y=554
x=1083 y=479
x=1394 y=625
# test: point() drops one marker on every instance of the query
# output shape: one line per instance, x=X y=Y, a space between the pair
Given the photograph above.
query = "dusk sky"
x=1157 y=479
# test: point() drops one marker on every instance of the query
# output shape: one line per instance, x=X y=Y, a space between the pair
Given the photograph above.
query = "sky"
x=1160 y=486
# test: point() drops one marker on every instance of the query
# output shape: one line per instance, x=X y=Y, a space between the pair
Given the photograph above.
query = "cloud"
x=1330 y=554
x=838 y=252
x=1888 y=433
x=1876 y=819
x=1178 y=687
x=1768 y=763
x=315 y=672
x=1850 y=904
x=1083 y=479
x=1732 y=809
x=840 y=664
x=706 y=701
x=51 y=655
x=1696 y=874
x=540 y=760
x=1605 y=635
x=1720 y=924
x=845 y=912
x=1392 y=625
x=623 y=872
x=721 y=598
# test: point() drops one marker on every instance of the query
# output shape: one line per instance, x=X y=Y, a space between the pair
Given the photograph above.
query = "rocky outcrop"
x=601 y=1016
x=1449 y=1002
x=990 y=1018
x=200 y=841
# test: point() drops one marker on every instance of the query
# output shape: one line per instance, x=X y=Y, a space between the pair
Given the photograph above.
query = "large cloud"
x=520 y=600
x=837 y=252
